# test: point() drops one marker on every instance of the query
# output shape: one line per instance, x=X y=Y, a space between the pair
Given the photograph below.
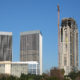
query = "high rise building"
x=5 y=46
x=68 y=58
x=31 y=47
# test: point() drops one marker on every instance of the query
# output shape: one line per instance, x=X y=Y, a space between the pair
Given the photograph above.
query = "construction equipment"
x=58 y=35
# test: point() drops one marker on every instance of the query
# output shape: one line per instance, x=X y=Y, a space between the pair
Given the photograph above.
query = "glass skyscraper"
x=31 y=47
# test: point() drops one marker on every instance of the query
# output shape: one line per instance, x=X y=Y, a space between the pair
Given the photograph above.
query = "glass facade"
x=32 y=69
x=5 y=47
x=2 y=68
x=30 y=54
x=18 y=69
x=29 y=47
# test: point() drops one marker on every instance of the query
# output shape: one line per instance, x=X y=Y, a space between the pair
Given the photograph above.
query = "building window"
x=65 y=61
x=32 y=68
x=61 y=35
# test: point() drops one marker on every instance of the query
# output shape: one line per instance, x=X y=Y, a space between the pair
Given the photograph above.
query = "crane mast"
x=58 y=36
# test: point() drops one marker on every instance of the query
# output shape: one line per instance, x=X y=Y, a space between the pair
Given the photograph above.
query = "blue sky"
x=25 y=15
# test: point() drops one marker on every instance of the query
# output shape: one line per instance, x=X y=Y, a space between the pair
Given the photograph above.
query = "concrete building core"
x=68 y=58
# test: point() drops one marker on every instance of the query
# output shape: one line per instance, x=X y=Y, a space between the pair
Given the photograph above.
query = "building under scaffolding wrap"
x=68 y=57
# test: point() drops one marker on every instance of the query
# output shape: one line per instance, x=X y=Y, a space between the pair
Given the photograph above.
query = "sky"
x=27 y=15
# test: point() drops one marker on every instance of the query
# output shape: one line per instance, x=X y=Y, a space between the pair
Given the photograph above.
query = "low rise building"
x=17 y=68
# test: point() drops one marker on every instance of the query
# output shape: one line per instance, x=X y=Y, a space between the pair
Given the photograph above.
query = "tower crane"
x=58 y=36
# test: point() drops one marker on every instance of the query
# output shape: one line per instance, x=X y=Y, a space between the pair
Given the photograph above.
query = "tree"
x=55 y=72
x=77 y=78
x=72 y=75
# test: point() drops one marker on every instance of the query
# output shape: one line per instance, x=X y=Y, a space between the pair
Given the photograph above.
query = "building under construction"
x=68 y=45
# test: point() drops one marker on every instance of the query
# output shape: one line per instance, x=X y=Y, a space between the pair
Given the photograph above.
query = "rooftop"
x=30 y=32
x=68 y=19
x=5 y=33
x=26 y=62
x=68 y=22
